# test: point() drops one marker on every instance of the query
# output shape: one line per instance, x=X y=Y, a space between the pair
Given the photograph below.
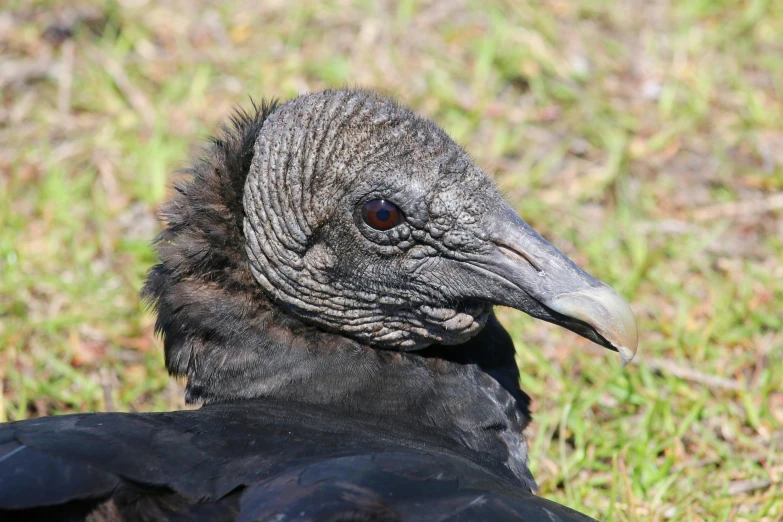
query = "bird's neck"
x=467 y=393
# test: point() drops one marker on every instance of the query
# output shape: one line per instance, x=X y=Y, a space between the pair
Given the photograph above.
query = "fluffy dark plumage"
x=202 y=290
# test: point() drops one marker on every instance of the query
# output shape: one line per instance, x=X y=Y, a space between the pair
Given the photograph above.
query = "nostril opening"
x=513 y=253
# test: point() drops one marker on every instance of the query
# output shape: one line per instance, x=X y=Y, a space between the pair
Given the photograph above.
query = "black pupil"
x=383 y=214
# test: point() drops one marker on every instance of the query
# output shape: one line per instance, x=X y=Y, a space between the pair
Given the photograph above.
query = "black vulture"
x=326 y=285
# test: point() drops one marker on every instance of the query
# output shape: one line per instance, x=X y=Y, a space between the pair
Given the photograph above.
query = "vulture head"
x=343 y=215
x=366 y=220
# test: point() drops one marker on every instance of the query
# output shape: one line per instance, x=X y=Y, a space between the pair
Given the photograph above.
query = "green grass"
x=645 y=139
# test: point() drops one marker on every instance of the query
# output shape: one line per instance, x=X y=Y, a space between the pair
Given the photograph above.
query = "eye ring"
x=381 y=214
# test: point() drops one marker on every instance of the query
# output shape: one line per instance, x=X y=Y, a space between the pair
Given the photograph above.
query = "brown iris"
x=381 y=214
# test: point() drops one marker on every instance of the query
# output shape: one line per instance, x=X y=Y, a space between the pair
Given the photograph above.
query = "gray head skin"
x=458 y=250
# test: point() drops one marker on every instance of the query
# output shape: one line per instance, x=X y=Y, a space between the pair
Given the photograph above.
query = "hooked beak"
x=601 y=315
x=547 y=285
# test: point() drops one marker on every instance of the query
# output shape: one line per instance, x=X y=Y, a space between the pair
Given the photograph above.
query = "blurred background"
x=644 y=138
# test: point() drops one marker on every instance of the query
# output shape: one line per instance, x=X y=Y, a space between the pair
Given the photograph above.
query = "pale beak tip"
x=626 y=354
x=607 y=312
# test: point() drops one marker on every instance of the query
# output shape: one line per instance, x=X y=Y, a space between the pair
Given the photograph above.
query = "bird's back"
x=254 y=460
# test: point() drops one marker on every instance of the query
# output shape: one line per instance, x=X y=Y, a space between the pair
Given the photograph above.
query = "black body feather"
x=252 y=461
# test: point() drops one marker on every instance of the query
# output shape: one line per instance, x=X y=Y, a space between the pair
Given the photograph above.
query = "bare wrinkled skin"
x=316 y=161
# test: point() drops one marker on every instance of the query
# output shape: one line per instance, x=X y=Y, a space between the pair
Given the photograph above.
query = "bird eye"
x=381 y=214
